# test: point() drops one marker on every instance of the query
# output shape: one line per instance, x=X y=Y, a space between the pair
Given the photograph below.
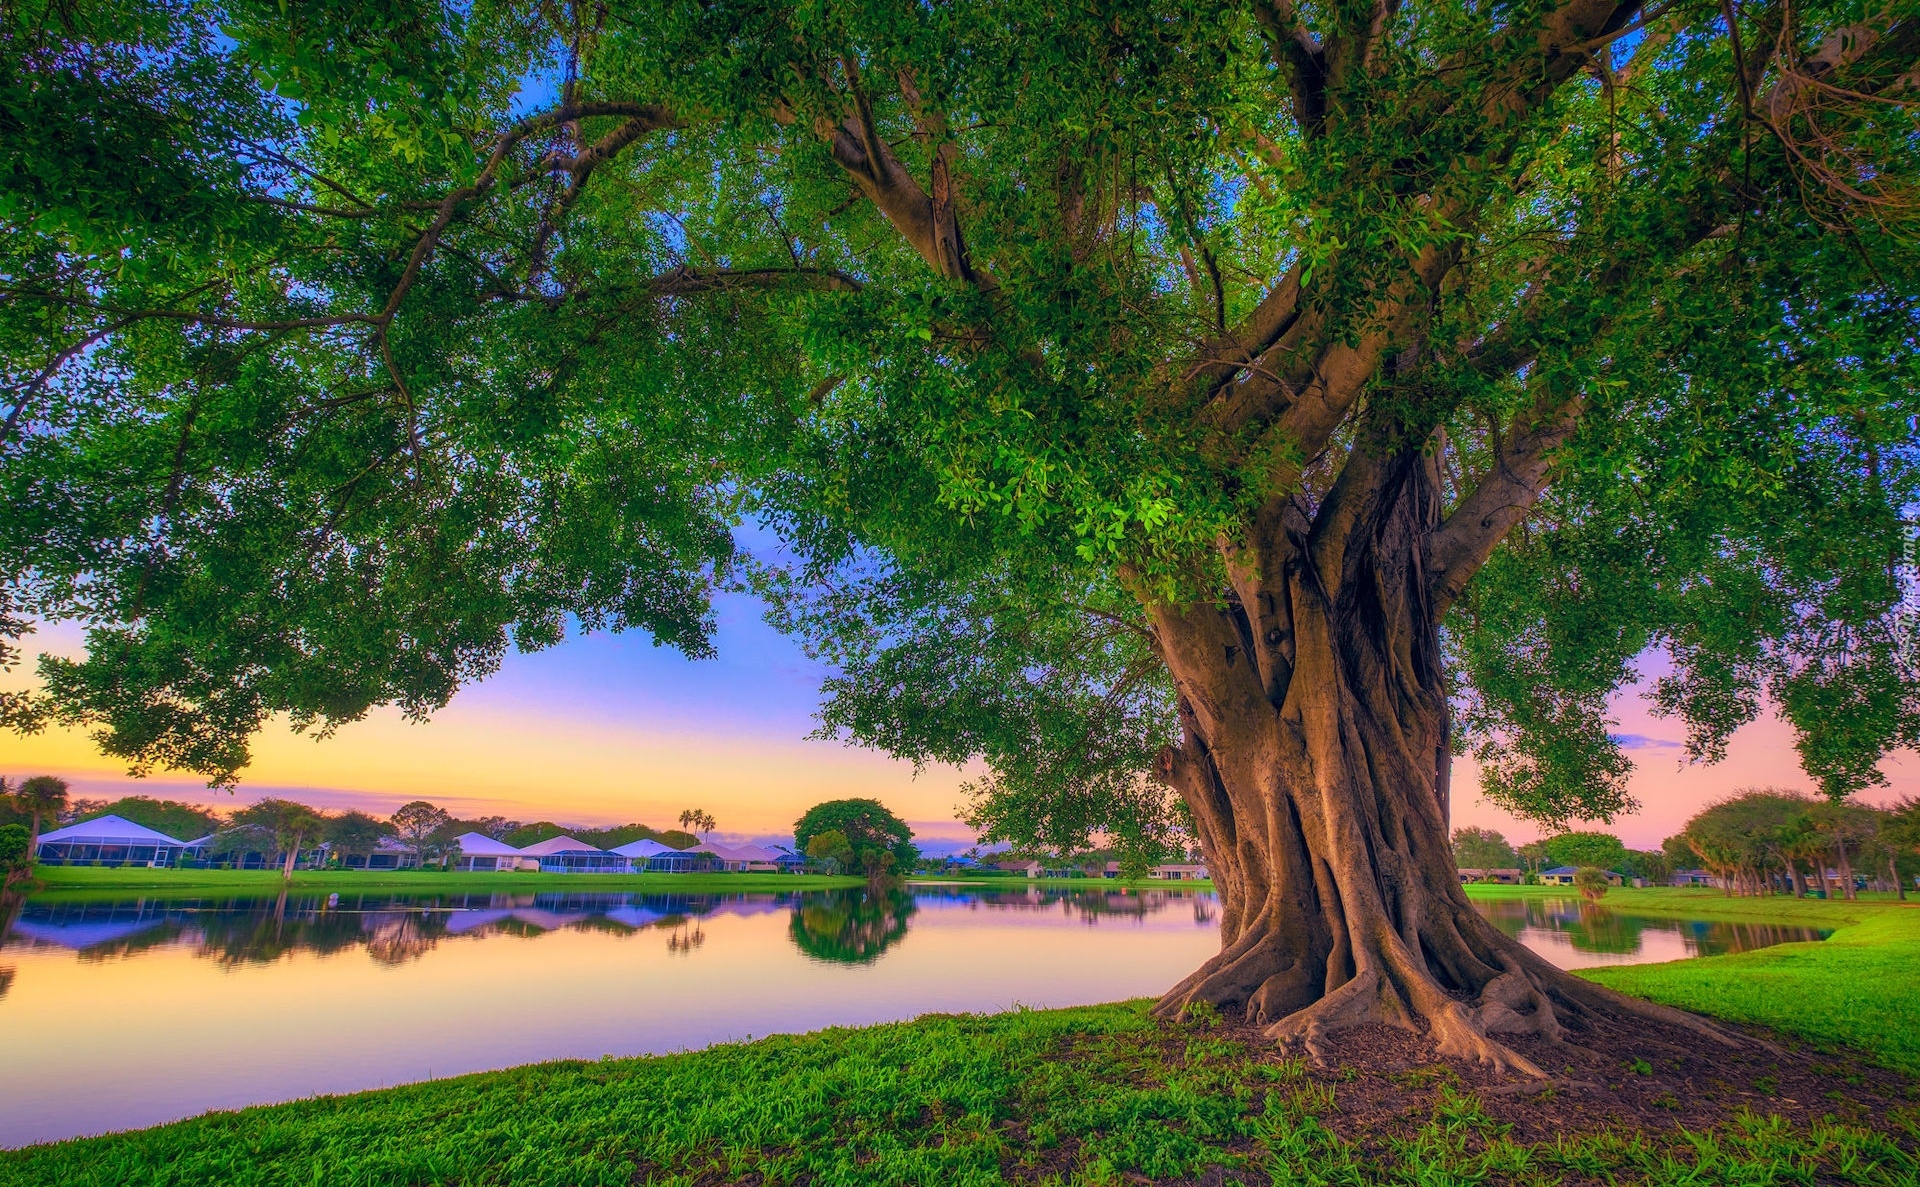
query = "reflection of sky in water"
x=130 y=1013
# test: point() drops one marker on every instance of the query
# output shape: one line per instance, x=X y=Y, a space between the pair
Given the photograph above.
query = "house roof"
x=559 y=844
x=481 y=845
x=110 y=829
x=1560 y=870
x=643 y=848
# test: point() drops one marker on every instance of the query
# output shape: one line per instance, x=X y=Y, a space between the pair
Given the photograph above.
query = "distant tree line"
x=283 y=829
x=1758 y=841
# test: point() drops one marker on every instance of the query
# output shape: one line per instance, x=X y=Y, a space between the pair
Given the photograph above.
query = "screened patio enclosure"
x=110 y=841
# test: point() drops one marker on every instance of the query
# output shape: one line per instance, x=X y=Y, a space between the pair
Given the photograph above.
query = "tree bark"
x=1846 y=867
x=1315 y=762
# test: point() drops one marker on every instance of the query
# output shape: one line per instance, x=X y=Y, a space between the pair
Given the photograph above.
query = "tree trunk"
x=1846 y=867
x=1893 y=871
x=293 y=853
x=1315 y=762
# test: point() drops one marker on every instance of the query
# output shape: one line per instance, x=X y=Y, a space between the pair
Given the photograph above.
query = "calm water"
x=123 y=1014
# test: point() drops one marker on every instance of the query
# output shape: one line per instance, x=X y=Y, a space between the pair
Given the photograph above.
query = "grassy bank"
x=69 y=881
x=1859 y=988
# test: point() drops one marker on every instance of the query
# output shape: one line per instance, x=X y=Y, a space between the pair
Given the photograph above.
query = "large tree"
x=1210 y=416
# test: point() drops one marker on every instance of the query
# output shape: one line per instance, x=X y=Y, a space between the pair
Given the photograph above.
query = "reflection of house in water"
x=105 y=929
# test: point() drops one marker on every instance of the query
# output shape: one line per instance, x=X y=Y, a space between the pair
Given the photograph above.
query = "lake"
x=122 y=1014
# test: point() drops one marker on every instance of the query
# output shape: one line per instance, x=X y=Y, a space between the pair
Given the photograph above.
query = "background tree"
x=1652 y=865
x=422 y=829
x=831 y=849
x=355 y=834
x=498 y=827
x=1533 y=856
x=187 y=822
x=289 y=825
x=1205 y=416
x=1845 y=828
x=39 y=798
x=1900 y=833
x=869 y=828
x=16 y=856
x=1483 y=849
x=1587 y=849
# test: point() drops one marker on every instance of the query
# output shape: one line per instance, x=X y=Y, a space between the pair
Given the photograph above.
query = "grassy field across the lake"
x=65 y=881
x=1096 y=1095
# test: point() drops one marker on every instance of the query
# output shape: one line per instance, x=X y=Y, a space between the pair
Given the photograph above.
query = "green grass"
x=84 y=881
x=1097 y=1095
x=1859 y=988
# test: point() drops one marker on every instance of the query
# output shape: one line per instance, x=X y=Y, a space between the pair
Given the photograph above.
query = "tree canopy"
x=346 y=345
x=866 y=829
x=1476 y=848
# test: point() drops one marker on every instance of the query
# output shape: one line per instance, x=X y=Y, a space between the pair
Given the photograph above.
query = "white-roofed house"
x=480 y=853
x=741 y=859
x=651 y=857
x=568 y=855
x=109 y=841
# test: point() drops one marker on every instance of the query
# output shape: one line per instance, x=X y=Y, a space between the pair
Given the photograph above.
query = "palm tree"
x=696 y=821
x=38 y=797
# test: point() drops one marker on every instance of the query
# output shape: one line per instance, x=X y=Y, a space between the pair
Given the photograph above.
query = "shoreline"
x=1873 y=955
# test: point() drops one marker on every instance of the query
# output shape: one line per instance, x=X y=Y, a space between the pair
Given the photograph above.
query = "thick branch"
x=1502 y=499
x=1301 y=60
x=927 y=222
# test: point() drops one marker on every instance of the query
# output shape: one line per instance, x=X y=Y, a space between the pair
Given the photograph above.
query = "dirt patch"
x=1650 y=1077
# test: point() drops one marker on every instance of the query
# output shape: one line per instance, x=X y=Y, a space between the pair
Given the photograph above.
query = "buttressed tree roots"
x=1211 y=416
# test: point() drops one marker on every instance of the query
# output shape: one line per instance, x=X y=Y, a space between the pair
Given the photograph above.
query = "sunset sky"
x=607 y=729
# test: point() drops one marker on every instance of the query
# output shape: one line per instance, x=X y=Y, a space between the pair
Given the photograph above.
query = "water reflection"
x=851 y=926
x=1573 y=933
x=854 y=926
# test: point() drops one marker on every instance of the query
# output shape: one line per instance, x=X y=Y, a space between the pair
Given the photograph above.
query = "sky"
x=607 y=729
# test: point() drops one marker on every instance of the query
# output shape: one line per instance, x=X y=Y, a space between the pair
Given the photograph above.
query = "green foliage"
x=1591 y=882
x=15 y=854
x=1586 y=849
x=338 y=360
x=427 y=832
x=867 y=828
x=1483 y=849
x=831 y=849
x=353 y=833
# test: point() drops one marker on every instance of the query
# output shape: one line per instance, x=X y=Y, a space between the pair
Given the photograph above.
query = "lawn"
x=1859 y=988
x=82 y=881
